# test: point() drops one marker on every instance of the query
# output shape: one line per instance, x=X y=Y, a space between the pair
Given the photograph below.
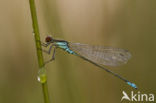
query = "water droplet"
x=42 y=77
x=33 y=33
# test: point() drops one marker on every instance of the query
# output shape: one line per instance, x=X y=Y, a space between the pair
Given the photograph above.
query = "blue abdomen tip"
x=132 y=85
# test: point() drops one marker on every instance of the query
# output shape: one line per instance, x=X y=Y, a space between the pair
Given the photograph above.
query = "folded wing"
x=101 y=55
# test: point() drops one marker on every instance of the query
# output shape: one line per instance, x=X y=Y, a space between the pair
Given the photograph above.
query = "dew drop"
x=42 y=77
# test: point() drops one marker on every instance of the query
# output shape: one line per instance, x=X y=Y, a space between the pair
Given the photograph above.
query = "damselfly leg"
x=53 y=55
x=49 y=51
x=44 y=44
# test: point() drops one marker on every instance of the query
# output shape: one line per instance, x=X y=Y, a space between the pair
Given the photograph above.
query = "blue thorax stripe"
x=64 y=46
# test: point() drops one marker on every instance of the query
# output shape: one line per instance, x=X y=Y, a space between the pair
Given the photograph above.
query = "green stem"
x=39 y=52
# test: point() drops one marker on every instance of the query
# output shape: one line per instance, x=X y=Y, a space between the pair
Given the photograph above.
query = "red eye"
x=48 y=39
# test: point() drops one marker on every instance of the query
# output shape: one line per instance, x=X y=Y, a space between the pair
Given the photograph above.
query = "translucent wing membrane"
x=101 y=55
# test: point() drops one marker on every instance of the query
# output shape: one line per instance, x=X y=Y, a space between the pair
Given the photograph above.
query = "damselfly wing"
x=101 y=55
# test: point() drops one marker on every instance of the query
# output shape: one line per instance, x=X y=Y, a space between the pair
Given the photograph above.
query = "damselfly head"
x=49 y=39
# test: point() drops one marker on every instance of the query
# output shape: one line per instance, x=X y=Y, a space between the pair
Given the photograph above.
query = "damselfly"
x=97 y=55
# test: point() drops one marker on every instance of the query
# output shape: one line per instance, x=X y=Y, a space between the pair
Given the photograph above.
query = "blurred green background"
x=129 y=24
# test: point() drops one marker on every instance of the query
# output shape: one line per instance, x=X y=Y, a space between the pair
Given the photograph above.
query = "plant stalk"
x=39 y=52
